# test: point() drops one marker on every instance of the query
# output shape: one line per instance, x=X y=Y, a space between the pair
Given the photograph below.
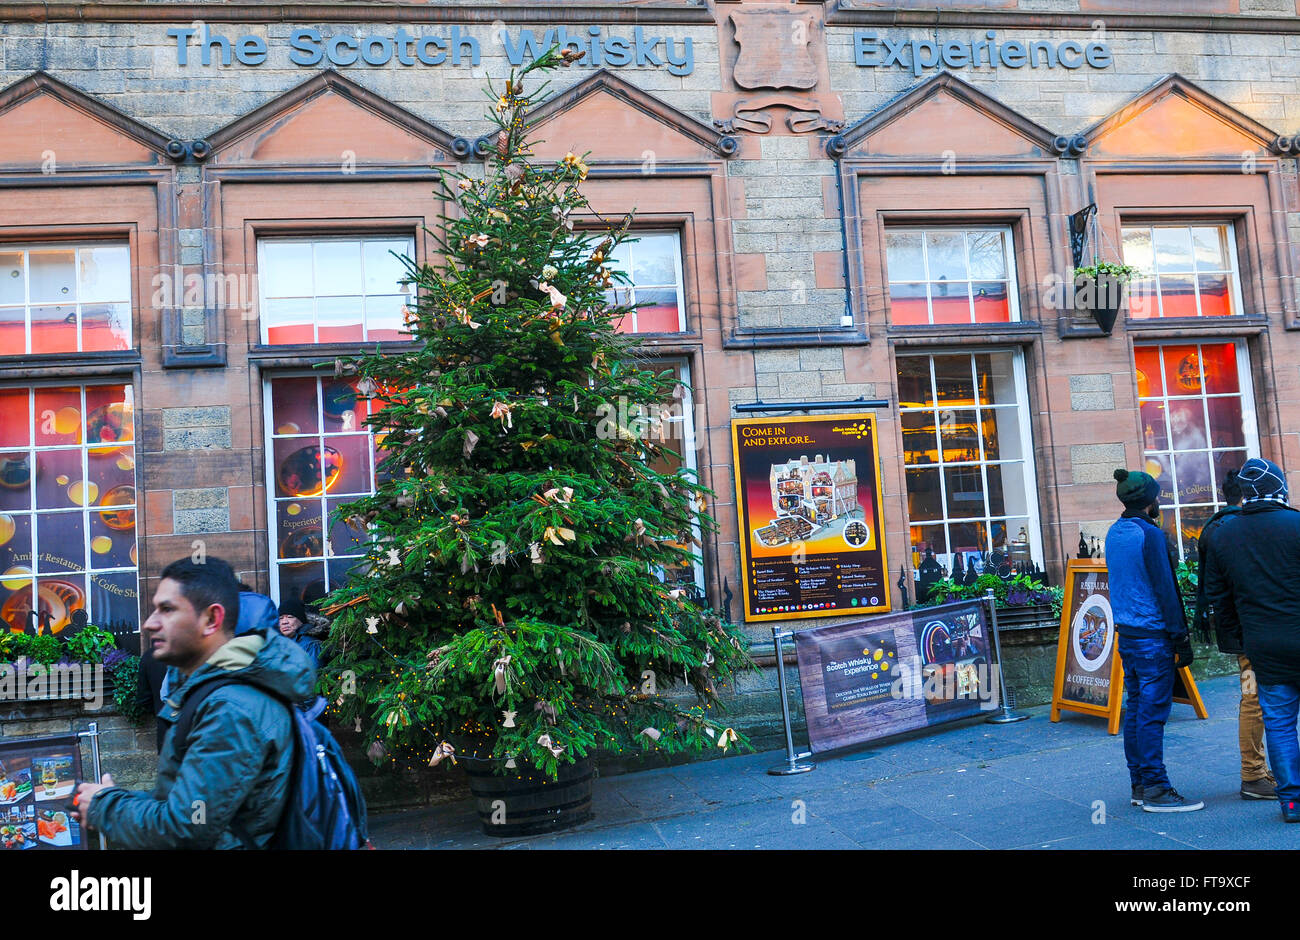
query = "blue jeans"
x=1280 y=705
x=1149 y=678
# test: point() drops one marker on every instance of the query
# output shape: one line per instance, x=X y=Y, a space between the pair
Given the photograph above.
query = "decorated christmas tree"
x=518 y=598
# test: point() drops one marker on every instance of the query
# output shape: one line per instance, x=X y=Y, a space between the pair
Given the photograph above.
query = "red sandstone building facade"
x=812 y=228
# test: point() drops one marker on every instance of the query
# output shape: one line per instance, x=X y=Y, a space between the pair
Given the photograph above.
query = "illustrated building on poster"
x=820 y=491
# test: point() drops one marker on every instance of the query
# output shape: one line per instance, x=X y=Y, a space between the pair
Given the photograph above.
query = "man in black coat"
x=1252 y=571
x=1256 y=782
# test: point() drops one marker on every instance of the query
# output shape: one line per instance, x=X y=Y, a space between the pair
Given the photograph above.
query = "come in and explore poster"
x=808 y=498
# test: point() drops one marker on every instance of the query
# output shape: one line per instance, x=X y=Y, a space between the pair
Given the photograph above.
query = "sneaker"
x=1168 y=801
x=1137 y=794
x=1290 y=812
x=1262 y=789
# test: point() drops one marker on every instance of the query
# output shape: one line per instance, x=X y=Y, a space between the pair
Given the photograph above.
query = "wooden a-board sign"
x=1089 y=675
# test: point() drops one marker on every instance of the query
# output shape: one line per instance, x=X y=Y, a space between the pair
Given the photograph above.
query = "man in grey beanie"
x=1252 y=570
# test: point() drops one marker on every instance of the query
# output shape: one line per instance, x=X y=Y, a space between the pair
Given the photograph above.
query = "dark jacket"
x=238 y=763
x=1252 y=569
x=148 y=693
x=1143 y=590
x=256 y=611
x=1201 y=622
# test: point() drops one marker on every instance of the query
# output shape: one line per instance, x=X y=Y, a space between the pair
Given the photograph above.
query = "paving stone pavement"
x=1030 y=785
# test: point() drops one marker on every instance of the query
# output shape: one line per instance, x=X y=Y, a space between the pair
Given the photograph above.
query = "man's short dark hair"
x=212 y=582
x=1231 y=488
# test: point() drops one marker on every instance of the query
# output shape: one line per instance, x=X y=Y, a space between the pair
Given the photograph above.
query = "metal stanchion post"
x=92 y=732
x=792 y=763
x=1005 y=715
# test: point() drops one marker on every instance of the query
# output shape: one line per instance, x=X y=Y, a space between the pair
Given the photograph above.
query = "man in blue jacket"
x=1152 y=635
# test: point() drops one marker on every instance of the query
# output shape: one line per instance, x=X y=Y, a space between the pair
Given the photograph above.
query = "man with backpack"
x=227 y=766
x=1252 y=566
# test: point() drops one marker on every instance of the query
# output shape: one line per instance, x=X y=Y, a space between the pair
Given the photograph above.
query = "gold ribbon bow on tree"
x=501 y=411
x=499 y=672
x=442 y=752
x=727 y=738
x=545 y=741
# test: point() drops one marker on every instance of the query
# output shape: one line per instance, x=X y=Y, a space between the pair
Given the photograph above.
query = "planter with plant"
x=515 y=610
x=1099 y=289
x=1022 y=602
x=89 y=646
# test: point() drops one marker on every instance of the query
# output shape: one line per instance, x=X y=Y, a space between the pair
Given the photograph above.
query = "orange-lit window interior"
x=65 y=298
x=950 y=276
x=1185 y=271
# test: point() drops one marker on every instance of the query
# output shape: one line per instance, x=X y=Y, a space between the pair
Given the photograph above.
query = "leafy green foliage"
x=1106 y=269
x=512 y=590
x=88 y=644
x=1018 y=591
x=125 y=673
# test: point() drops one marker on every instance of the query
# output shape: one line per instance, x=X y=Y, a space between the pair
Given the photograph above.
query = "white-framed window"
x=951 y=275
x=68 y=500
x=968 y=456
x=654 y=264
x=1198 y=422
x=333 y=289
x=65 y=297
x=676 y=432
x=1187 y=270
x=320 y=455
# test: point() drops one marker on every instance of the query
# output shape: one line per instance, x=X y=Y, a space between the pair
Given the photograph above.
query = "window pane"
x=1173 y=249
x=908 y=305
x=1216 y=300
x=953 y=378
x=299 y=529
x=13 y=286
x=15 y=424
x=965 y=492
x=383 y=270
x=1138 y=251
x=112 y=539
x=1178 y=296
x=1147 y=361
x=1155 y=434
x=919 y=444
x=904 y=256
x=53 y=276
x=654 y=261
x=987 y=259
x=351 y=454
x=15 y=480
x=289 y=321
x=384 y=321
x=959 y=436
x=950 y=302
x=1225 y=460
x=923 y=498
x=105 y=327
x=60 y=539
x=338 y=319
x=1193 y=472
x=105 y=273
x=1225 y=422
x=1211 y=248
x=1160 y=467
x=298 y=468
x=1187 y=425
x=991 y=303
x=946 y=253
x=115 y=602
x=1143 y=304
x=660 y=313
x=1182 y=370
x=286 y=269
x=59 y=484
x=1191 y=521
x=1219 y=361
x=15 y=542
x=58 y=416
x=293 y=406
x=110 y=417
x=997 y=383
x=54 y=329
x=337 y=267
x=967 y=541
x=344 y=539
x=914 y=381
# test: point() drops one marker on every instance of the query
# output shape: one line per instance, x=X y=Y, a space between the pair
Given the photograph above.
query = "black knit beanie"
x=1135 y=489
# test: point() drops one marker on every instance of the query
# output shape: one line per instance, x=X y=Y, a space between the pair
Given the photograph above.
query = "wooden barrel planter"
x=526 y=802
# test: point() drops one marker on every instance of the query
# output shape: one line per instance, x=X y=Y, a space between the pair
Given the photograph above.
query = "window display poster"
x=37 y=780
x=873 y=678
x=809 y=503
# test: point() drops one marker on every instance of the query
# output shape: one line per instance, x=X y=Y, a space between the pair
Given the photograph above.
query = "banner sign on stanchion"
x=878 y=677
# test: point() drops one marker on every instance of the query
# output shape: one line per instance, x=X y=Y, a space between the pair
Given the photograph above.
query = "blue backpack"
x=325 y=809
